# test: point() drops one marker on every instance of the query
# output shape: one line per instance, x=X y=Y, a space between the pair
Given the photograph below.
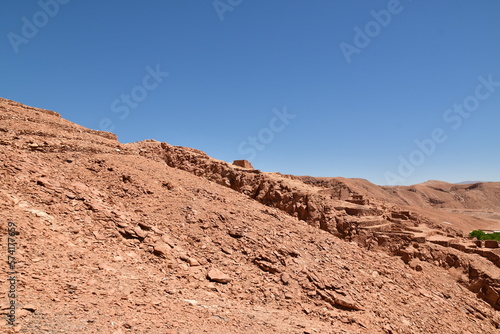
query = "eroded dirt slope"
x=370 y=222
x=117 y=238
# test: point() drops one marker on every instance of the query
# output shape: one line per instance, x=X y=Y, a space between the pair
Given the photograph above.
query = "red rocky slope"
x=116 y=238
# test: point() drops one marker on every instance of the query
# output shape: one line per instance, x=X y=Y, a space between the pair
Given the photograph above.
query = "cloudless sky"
x=233 y=65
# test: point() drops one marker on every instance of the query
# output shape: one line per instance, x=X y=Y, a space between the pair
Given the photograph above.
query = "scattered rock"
x=267 y=266
x=237 y=233
x=145 y=226
x=285 y=279
x=346 y=302
x=161 y=249
x=141 y=234
x=127 y=178
x=193 y=262
x=416 y=265
x=218 y=276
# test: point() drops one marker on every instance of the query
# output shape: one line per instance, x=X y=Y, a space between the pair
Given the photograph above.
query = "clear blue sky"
x=228 y=79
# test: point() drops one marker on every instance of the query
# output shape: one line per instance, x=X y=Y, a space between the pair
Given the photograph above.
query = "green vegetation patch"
x=480 y=235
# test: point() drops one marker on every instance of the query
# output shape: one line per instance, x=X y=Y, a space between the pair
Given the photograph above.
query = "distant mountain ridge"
x=471 y=182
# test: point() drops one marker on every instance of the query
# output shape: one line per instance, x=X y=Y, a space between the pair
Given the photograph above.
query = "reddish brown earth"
x=481 y=200
x=153 y=238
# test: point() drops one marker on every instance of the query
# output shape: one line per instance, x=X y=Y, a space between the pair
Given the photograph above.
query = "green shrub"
x=480 y=235
x=477 y=234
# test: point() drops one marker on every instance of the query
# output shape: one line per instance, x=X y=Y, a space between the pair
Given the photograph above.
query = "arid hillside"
x=153 y=238
x=481 y=200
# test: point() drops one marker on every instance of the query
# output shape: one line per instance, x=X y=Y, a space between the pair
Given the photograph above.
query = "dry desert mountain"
x=152 y=238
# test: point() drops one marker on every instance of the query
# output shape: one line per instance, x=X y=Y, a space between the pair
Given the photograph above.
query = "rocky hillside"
x=480 y=200
x=430 y=194
x=153 y=238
